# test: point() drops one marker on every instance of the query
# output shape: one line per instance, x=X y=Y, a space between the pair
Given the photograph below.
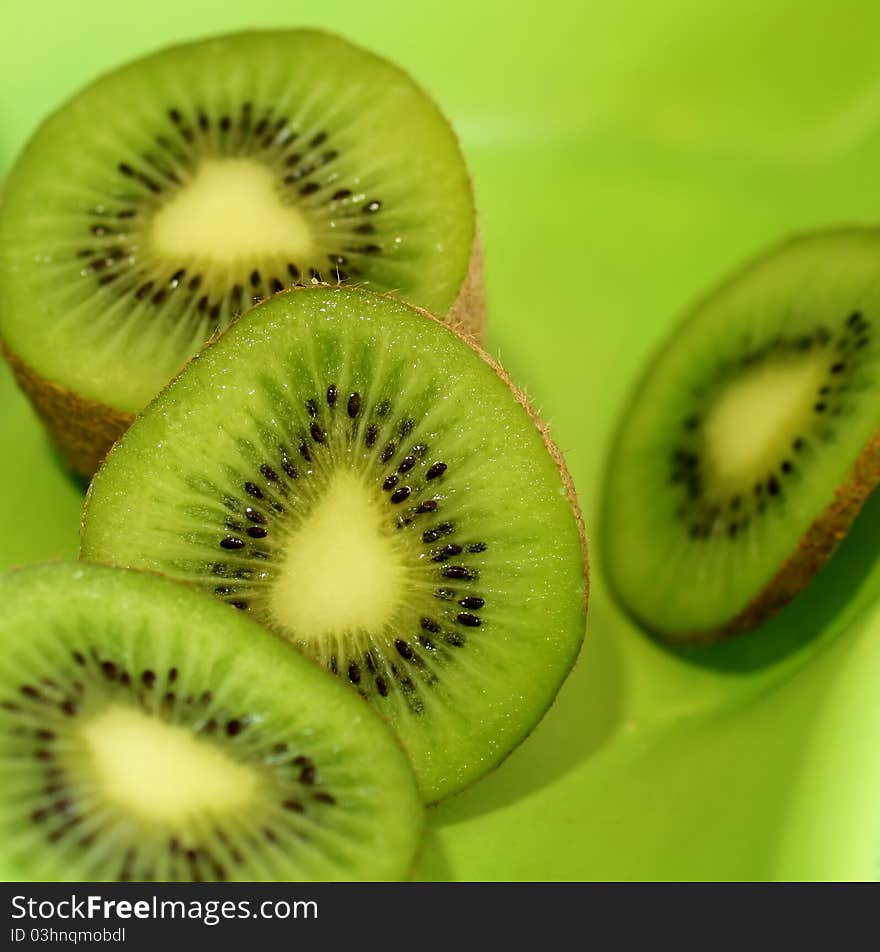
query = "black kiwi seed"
x=477 y=547
x=252 y=489
x=354 y=673
x=435 y=470
x=472 y=601
x=232 y=543
x=403 y=649
x=387 y=452
x=354 y=405
x=372 y=433
x=269 y=473
x=428 y=624
x=466 y=618
x=429 y=505
x=331 y=396
x=447 y=552
x=432 y=535
x=399 y=495
x=288 y=467
x=382 y=686
x=390 y=482
x=457 y=571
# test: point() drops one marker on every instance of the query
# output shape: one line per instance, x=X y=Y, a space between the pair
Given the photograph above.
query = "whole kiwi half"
x=751 y=442
x=367 y=484
x=175 y=192
x=147 y=733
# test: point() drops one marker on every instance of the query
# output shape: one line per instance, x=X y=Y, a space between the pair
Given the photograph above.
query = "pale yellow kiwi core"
x=343 y=571
x=754 y=421
x=230 y=211
x=161 y=772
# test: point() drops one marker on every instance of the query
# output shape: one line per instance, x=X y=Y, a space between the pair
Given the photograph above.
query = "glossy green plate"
x=625 y=157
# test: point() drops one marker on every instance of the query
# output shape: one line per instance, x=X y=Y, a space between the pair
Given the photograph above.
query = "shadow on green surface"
x=582 y=718
x=798 y=626
x=433 y=864
x=78 y=482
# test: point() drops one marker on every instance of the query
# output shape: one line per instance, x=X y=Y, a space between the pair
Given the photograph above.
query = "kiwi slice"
x=364 y=482
x=146 y=733
x=752 y=441
x=177 y=191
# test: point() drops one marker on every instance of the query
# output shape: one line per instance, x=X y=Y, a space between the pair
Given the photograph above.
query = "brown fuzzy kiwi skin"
x=468 y=311
x=814 y=549
x=84 y=430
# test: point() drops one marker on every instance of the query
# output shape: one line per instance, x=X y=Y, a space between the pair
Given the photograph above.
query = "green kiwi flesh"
x=173 y=193
x=147 y=733
x=364 y=482
x=751 y=443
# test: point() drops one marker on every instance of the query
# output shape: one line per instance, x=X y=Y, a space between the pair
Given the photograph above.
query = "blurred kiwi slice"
x=365 y=483
x=147 y=733
x=751 y=442
x=175 y=192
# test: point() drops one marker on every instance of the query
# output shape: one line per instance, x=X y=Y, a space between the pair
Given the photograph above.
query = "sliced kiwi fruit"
x=175 y=192
x=751 y=443
x=367 y=484
x=146 y=733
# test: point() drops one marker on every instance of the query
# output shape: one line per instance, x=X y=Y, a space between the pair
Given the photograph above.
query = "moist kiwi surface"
x=146 y=733
x=751 y=442
x=175 y=192
x=358 y=478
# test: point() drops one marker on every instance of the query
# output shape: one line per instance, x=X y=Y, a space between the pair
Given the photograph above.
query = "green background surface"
x=625 y=156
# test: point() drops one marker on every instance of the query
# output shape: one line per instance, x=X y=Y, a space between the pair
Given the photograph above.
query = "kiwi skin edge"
x=84 y=430
x=814 y=549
